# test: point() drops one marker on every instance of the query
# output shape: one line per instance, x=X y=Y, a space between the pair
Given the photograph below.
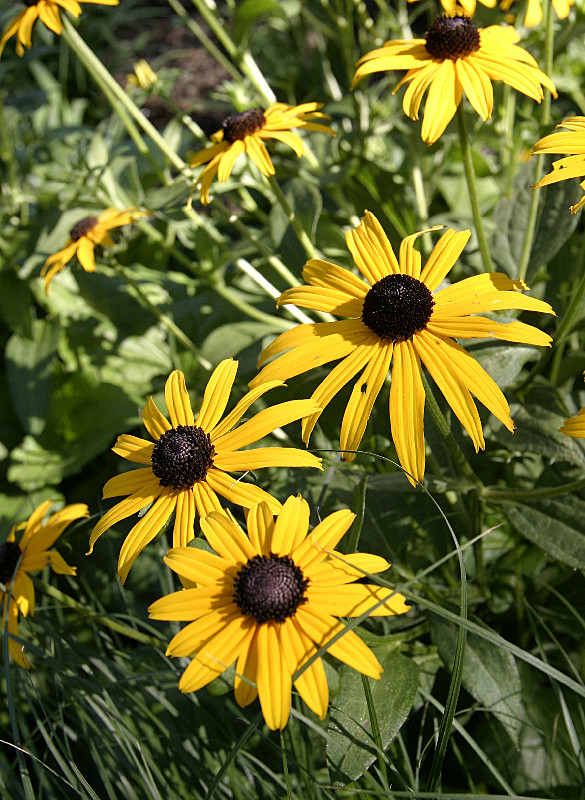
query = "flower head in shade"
x=399 y=314
x=190 y=461
x=247 y=132
x=569 y=143
x=84 y=236
x=456 y=58
x=533 y=16
x=32 y=554
x=269 y=602
x=48 y=11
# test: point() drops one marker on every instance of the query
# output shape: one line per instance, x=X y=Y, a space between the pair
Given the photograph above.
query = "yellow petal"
x=291 y=526
x=407 y=403
x=145 y=531
x=177 y=400
x=274 y=680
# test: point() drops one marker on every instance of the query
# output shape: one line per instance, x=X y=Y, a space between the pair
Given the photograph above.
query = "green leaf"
x=248 y=12
x=555 y=525
x=503 y=363
x=490 y=674
x=351 y=749
x=28 y=366
x=537 y=432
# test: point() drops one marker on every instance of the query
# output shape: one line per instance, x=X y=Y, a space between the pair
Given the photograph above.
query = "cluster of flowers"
x=269 y=599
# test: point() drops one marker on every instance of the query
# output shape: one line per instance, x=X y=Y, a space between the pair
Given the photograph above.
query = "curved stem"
x=302 y=235
x=443 y=427
x=470 y=178
x=260 y=316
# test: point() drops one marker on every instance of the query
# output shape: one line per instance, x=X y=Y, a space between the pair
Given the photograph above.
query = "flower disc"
x=397 y=307
x=452 y=37
x=83 y=227
x=238 y=126
x=270 y=588
x=9 y=555
x=182 y=456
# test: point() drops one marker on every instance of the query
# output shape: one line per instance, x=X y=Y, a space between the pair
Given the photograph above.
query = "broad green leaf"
x=28 y=366
x=34 y=467
x=503 y=363
x=490 y=674
x=537 y=432
x=556 y=526
x=248 y=12
x=16 y=314
x=351 y=748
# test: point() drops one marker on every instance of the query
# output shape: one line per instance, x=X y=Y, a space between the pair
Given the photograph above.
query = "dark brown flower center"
x=452 y=37
x=397 y=307
x=182 y=456
x=30 y=3
x=83 y=227
x=237 y=126
x=9 y=555
x=270 y=588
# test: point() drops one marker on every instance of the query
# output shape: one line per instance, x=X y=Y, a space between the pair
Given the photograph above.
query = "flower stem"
x=521 y=495
x=243 y=59
x=544 y=121
x=470 y=178
x=276 y=322
x=164 y=319
x=302 y=236
x=444 y=429
x=375 y=730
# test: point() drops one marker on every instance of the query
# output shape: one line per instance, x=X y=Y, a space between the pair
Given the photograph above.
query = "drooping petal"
x=217 y=394
x=238 y=492
x=407 y=403
x=146 y=530
x=343 y=568
x=128 y=482
x=322 y=273
x=133 y=449
x=355 y=599
x=185 y=514
x=228 y=159
x=312 y=683
x=189 y=639
x=245 y=690
x=260 y=525
x=262 y=424
x=259 y=154
x=441 y=104
x=147 y=494
x=154 y=422
x=187 y=605
x=274 y=681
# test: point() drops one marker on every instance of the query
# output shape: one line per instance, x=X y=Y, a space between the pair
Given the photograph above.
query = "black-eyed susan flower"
x=575 y=426
x=269 y=602
x=246 y=133
x=456 y=58
x=571 y=144
x=190 y=461
x=143 y=76
x=533 y=16
x=48 y=11
x=32 y=554
x=83 y=238
x=400 y=315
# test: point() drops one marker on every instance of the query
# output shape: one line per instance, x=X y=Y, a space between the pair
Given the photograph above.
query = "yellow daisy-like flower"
x=83 y=238
x=190 y=461
x=533 y=15
x=452 y=6
x=571 y=144
x=400 y=314
x=575 y=426
x=269 y=602
x=48 y=13
x=143 y=76
x=246 y=132
x=31 y=554
x=456 y=58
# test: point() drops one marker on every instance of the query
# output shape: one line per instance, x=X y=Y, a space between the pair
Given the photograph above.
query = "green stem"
x=105 y=621
x=302 y=236
x=165 y=320
x=289 y=793
x=470 y=178
x=276 y=322
x=544 y=122
x=112 y=88
x=376 y=735
x=6 y=147
x=243 y=59
x=520 y=495
x=445 y=431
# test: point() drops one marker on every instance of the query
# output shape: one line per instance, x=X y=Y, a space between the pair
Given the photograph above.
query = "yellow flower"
x=246 y=132
x=191 y=459
x=48 y=13
x=456 y=58
x=143 y=75
x=269 y=602
x=534 y=10
x=575 y=426
x=31 y=554
x=83 y=238
x=571 y=144
x=400 y=314
x=451 y=6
